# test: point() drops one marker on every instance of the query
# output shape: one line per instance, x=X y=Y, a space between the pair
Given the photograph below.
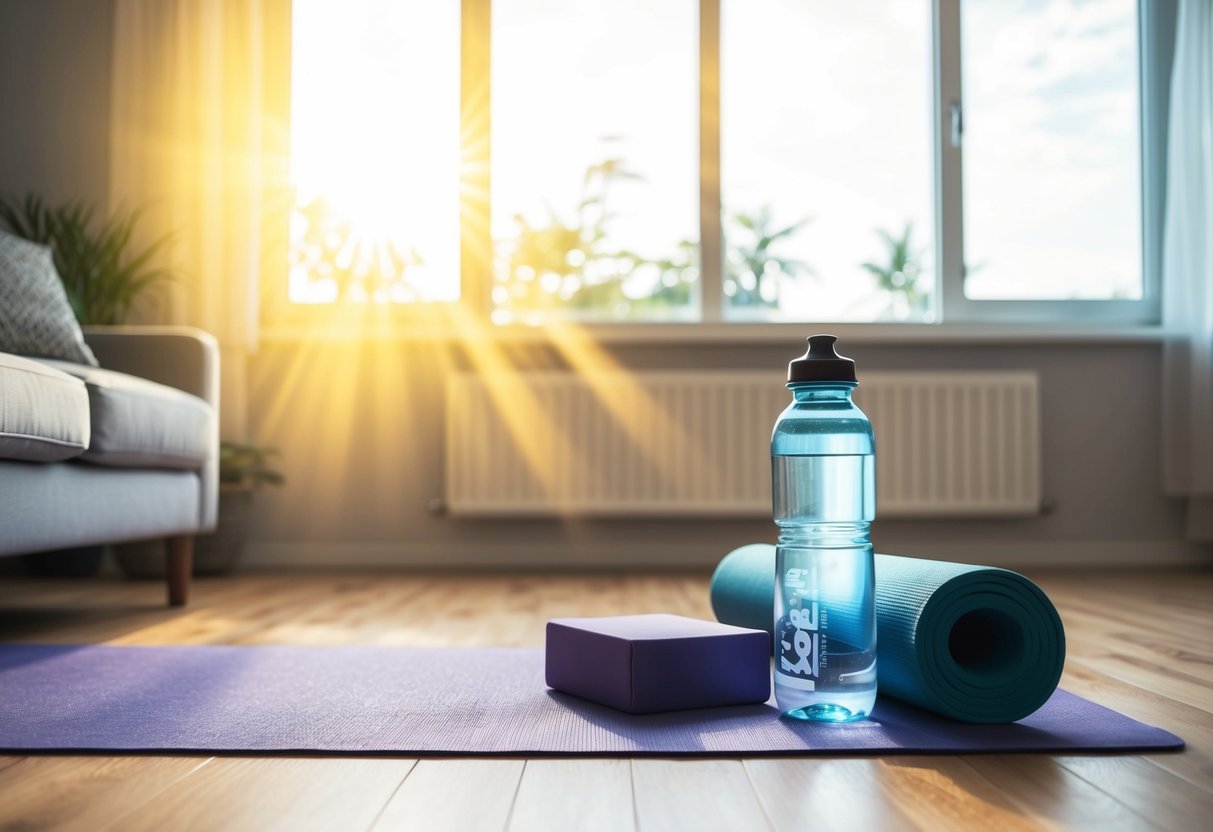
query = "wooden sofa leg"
x=180 y=567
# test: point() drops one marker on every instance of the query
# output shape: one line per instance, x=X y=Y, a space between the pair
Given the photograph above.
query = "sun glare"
x=375 y=151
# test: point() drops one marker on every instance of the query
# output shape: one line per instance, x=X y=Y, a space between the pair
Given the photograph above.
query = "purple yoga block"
x=645 y=664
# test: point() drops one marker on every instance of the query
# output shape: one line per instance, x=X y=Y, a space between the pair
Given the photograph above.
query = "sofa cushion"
x=43 y=412
x=137 y=423
x=35 y=316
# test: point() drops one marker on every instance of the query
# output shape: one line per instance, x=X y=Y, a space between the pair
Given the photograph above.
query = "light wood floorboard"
x=827 y=795
x=1150 y=791
x=1055 y=797
x=946 y=794
x=590 y=796
x=1140 y=642
x=440 y=795
x=267 y=793
x=707 y=795
x=85 y=793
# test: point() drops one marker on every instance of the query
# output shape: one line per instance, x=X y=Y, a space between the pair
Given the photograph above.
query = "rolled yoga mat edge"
x=974 y=643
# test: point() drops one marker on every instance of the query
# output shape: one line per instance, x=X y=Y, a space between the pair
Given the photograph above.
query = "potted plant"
x=243 y=469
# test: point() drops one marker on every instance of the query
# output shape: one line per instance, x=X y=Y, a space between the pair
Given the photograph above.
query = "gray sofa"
x=127 y=451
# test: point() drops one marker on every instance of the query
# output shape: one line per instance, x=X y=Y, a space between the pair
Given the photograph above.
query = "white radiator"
x=698 y=443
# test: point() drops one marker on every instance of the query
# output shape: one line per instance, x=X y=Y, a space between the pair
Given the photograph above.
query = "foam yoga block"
x=973 y=643
x=646 y=664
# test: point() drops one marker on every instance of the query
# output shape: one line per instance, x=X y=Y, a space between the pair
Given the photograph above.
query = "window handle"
x=957 y=123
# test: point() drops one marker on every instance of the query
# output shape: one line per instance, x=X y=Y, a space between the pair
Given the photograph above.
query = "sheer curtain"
x=1188 y=270
x=199 y=127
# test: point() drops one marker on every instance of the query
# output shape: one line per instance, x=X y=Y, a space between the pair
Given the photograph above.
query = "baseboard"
x=502 y=556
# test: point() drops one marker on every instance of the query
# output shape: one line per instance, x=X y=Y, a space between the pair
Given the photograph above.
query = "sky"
x=1052 y=167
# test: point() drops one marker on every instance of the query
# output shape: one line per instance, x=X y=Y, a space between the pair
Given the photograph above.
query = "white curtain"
x=199 y=121
x=1188 y=270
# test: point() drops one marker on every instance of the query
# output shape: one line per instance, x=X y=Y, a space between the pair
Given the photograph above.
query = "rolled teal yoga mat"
x=973 y=643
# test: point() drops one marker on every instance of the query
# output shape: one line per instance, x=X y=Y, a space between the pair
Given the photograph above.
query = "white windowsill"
x=721 y=333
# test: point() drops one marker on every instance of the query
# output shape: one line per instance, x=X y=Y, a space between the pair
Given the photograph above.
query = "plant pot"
x=220 y=552
x=214 y=554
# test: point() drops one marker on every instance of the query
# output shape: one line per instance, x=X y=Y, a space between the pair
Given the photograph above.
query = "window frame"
x=951 y=308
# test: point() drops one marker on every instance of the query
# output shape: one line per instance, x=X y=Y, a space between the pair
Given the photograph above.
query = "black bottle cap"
x=821 y=363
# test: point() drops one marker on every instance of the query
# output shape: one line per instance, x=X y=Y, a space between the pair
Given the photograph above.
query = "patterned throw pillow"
x=35 y=316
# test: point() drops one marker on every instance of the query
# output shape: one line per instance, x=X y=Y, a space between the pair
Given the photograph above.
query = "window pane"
x=1052 y=200
x=375 y=151
x=826 y=156
x=595 y=159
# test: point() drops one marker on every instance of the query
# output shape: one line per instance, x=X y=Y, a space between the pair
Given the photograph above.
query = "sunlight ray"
x=646 y=425
x=531 y=426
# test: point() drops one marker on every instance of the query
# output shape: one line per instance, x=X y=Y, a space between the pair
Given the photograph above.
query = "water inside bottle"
x=824 y=489
x=825 y=627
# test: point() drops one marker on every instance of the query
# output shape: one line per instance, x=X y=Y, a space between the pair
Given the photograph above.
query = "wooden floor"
x=1141 y=643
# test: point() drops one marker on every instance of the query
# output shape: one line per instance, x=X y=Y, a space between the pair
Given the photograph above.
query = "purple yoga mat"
x=464 y=701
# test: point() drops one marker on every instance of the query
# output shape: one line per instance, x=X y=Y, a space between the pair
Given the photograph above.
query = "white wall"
x=360 y=427
x=55 y=98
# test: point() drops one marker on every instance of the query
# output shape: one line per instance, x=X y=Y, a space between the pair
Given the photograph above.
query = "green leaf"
x=101 y=275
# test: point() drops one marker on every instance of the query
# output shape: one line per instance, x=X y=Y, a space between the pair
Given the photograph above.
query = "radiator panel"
x=686 y=444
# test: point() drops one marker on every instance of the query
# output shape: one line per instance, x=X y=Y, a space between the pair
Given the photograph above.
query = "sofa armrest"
x=175 y=356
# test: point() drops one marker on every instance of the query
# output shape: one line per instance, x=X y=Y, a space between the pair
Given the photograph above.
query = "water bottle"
x=824 y=488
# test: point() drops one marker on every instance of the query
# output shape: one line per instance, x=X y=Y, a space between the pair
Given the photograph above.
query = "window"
x=1052 y=205
x=595 y=175
x=826 y=160
x=374 y=153
x=726 y=160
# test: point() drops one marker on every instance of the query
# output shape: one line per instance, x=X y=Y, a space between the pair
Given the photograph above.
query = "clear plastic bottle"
x=824 y=487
